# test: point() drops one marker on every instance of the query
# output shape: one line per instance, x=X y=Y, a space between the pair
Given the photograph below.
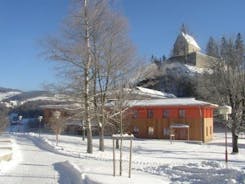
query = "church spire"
x=183 y=28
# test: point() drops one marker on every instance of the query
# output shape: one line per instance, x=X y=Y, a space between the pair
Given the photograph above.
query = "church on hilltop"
x=187 y=51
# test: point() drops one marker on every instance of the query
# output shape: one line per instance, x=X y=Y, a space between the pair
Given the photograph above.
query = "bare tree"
x=119 y=113
x=57 y=124
x=73 y=50
x=113 y=55
x=94 y=51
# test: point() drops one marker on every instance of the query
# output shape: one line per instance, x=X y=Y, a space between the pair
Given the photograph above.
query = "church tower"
x=184 y=45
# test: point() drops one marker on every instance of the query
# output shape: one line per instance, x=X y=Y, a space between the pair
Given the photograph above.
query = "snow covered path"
x=35 y=166
x=41 y=164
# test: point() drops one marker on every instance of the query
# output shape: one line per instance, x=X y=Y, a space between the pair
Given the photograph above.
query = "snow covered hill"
x=7 y=95
x=13 y=97
x=171 y=77
x=153 y=71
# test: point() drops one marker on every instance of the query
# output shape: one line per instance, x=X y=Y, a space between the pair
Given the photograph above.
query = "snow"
x=195 y=69
x=150 y=91
x=74 y=106
x=169 y=102
x=190 y=40
x=69 y=172
x=179 y=125
x=153 y=93
x=14 y=103
x=6 y=95
x=42 y=98
x=180 y=69
x=8 y=147
x=153 y=161
x=124 y=136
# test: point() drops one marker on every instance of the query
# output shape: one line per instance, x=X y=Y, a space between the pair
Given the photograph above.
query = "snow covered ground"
x=5 y=95
x=5 y=147
x=154 y=161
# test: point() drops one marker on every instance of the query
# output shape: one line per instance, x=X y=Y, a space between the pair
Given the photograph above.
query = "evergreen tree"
x=212 y=48
x=228 y=53
x=223 y=47
x=239 y=48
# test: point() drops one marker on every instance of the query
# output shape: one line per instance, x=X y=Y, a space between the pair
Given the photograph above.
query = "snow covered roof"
x=190 y=40
x=169 y=102
x=142 y=92
x=74 y=106
x=153 y=93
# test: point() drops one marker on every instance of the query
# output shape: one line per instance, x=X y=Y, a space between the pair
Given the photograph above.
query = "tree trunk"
x=87 y=117
x=121 y=132
x=117 y=143
x=57 y=139
x=83 y=132
x=234 y=142
x=89 y=139
x=101 y=143
x=86 y=82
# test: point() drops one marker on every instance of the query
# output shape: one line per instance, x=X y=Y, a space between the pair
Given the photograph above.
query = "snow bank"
x=5 y=149
x=47 y=145
x=72 y=174
x=69 y=173
x=15 y=157
x=138 y=178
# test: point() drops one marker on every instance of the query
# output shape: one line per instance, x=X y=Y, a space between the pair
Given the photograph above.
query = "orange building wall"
x=198 y=118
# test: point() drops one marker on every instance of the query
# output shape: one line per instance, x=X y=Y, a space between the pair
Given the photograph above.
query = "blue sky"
x=153 y=26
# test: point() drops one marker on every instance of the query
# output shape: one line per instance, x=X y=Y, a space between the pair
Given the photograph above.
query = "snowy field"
x=154 y=161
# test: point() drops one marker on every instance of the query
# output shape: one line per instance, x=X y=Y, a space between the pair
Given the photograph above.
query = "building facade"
x=187 y=119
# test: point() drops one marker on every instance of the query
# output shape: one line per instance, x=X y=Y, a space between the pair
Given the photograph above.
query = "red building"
x=182 y=118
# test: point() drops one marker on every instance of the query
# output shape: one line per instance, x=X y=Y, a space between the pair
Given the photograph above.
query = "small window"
x=165 y=113
x=206 y=131
x=135 y=114
x=150 y=131
x=149 y=114
x=166 y=131
x=181 y=113
x=136 y=130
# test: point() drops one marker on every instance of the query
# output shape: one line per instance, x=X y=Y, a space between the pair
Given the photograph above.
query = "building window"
x=136 y=130
x=150 y=114
x=206 y=131
x=166 y=131
x=165 y=113
x=150 y=131
x=181 y=113
x=135 y=114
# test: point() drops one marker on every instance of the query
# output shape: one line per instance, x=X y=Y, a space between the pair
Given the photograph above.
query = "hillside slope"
x=171 y=77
